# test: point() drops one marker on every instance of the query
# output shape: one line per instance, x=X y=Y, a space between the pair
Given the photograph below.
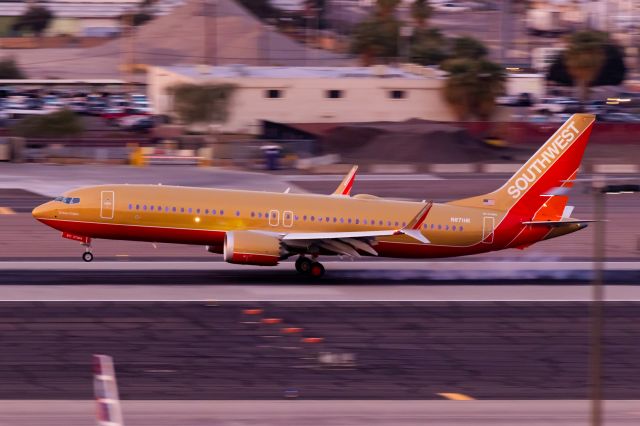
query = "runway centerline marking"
x=456 y=396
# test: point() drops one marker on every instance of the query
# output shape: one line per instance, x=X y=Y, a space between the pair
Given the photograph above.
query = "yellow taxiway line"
x=456 y=396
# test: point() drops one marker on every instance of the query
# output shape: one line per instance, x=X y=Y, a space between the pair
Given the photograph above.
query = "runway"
x=322 y=413
x=320 y=350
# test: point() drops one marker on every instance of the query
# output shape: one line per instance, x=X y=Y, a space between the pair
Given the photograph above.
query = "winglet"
x=345 y=186
x=413 y=227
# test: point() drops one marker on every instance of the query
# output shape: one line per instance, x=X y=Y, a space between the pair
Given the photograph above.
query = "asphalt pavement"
x=319 y=350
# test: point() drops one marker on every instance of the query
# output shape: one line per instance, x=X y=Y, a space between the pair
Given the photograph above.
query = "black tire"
x=87 y=256
x=317 y=270
x=303 y=265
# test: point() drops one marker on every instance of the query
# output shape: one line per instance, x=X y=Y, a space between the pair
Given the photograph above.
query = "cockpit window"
x=68 y=200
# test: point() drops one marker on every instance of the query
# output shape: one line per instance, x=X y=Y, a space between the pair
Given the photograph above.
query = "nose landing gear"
x=87 y=256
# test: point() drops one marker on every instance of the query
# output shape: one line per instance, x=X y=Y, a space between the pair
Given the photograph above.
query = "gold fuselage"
x=185 y=215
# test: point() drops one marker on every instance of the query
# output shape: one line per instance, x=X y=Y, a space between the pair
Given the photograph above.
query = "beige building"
x=311 y=94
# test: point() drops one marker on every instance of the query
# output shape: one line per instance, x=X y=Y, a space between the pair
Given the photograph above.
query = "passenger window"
x=454 y=227
x=181 y=209
x=237 y=212
x=221 y=212
x=144 y=207
x=349 y=220
x=357 y=221
x=304 y=217
x=319 y=219
x=137 y=206
x=130 y=206
x=190 y=210
x=151 y=208
x=460 y=228
x=253 y=214
x=439 y=226
x=76 y=201
x=313 y=218
x=198 y=211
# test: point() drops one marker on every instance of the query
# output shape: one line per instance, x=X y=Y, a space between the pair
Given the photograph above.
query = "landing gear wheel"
x=303 y=265
x=87 y=256
x=317 y=270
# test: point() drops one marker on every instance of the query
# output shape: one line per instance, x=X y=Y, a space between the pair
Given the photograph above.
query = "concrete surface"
x=322 y=413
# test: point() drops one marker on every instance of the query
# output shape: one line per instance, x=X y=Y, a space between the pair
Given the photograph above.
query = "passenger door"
x=107 y=204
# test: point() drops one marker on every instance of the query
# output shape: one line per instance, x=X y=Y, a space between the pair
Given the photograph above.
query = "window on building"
x=397 y=94
x=334 y=94
x=273 y=93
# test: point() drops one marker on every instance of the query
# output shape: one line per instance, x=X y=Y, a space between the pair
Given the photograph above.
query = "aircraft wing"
x=349 y=242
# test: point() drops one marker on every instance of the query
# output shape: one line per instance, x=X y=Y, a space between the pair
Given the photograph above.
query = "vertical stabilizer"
x=553 y=166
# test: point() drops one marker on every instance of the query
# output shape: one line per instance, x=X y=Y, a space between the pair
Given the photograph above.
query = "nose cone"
x=42 y=211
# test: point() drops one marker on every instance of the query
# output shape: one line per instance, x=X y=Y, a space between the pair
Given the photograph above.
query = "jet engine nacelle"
x=251 y=248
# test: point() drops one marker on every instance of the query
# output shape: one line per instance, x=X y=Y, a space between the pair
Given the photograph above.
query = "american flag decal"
x=489 y=202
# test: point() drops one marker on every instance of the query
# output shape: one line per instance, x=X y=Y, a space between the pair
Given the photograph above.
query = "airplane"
x=264 y=228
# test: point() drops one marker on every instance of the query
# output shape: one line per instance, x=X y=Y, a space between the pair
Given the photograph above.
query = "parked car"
x=111 y=115
x=620 y=117
x=556 y=105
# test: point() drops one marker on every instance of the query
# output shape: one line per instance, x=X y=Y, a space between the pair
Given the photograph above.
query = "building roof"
x=80 y=9
x=228 y=71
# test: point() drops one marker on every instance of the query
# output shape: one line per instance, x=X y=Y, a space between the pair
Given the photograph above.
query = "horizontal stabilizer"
x=558 y=222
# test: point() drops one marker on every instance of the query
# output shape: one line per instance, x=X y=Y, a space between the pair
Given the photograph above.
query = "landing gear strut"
x=87 y=256
x=309 y=267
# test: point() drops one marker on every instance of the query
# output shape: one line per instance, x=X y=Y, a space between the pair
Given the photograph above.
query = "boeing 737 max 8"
x=263 y=228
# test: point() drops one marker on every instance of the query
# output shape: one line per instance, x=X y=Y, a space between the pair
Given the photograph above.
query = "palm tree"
x=421 y=12
x=584 y=58
x=376 y=37
x=472 y=87
x=386 y=8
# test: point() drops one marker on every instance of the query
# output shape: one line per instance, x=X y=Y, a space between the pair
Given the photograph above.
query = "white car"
x=450 y=7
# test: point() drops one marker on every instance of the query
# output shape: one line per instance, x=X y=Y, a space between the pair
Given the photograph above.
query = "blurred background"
x=433 y=99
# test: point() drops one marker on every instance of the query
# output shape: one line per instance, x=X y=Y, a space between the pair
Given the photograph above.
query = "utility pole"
x=597 y=301
x=210 y=28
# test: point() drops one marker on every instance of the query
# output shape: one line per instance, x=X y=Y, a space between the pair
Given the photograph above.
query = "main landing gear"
x=306 y=266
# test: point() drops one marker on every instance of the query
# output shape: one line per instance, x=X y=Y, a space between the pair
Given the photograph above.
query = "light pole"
x=600 y=190
x=596 y=304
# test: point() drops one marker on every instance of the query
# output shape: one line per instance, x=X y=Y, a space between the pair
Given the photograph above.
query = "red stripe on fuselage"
x=113 y=231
